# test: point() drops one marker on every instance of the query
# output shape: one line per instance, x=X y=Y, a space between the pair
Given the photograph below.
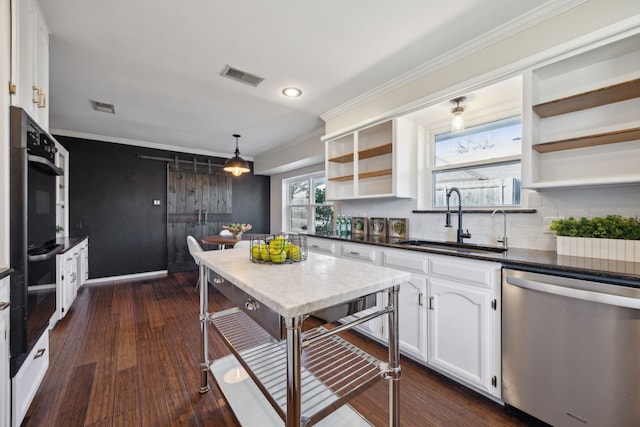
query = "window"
x=483 y=162
x=306 y=206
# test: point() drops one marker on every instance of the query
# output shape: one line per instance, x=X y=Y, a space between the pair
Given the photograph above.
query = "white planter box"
x=620 y=250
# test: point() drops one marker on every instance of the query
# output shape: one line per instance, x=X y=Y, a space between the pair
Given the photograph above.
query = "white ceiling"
x=160 y=61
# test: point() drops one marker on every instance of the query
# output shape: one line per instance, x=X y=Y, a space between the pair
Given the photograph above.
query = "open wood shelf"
x=373 y=174
x=595 y=98
x=342 y=178
x=623 y=135
x=345 y=158
x=380 y=150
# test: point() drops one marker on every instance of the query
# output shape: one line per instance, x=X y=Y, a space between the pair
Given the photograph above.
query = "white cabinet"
x=83 y=265
x=62 y=192
x=322 y=246
x=360 y=252
x=5 y=384
x=464 y=321
x=376 y=161
x=30 y=60
x=72 y=272
x=411 y=301
x=67 y=281
x=581 y=118
x=27 y=380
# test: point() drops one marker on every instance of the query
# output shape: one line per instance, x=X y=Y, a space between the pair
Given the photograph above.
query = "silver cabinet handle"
x=39 y=353
x=430 y=303
x=4 y=305
x=354 y=253
x=420 y=295
x=315 y=246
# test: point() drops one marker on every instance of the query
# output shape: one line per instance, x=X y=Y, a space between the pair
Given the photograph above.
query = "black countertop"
x=69 y=242
x=610 y=271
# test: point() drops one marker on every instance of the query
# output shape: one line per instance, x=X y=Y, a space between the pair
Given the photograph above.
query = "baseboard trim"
x=126 y=277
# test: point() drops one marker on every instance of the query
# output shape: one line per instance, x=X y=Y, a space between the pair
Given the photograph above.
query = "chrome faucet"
x=504 y=232
x=460 y=235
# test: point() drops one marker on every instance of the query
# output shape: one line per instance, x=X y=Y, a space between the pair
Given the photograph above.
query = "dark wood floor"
x=126 y=354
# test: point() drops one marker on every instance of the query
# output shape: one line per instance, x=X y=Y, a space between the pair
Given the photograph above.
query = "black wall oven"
x=33 y=233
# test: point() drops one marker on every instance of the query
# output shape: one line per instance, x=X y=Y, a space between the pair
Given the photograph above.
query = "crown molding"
x=508 y=29
x=138 y=143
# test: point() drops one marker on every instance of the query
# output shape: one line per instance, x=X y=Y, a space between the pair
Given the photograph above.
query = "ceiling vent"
x=103 y=107
x=241 y=76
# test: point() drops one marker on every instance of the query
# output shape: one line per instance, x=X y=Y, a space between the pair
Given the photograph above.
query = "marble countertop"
x=301 y=288
x=618 y=272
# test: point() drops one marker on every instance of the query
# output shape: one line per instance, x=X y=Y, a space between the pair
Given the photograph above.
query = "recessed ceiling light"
x=291 y=92
x=103 y=107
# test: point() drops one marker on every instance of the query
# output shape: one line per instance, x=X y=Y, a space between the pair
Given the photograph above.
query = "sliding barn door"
x=198 y=204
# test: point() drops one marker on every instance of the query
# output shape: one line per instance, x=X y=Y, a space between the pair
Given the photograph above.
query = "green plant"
x=609 y=227
x=59 y=229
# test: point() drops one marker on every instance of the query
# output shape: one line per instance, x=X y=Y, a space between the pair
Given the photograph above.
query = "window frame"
x=431 y=169
x=311 y=206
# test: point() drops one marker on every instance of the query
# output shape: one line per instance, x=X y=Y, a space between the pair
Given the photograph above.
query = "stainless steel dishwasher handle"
x=603 y=298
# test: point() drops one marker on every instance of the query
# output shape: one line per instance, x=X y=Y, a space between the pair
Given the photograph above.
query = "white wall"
x=5 y=55
x=523 y=230
x=521 y=48
x=533 y=44
x=277 y=211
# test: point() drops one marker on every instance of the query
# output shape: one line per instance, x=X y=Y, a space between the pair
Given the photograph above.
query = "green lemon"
x=264 y=253
x=295 y=253
x=277 y=244
x=277 y=257
x=255 y=252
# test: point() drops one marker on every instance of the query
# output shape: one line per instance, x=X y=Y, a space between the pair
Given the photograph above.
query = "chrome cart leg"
x=294 y=383
x=394 y=360
x=204 y=309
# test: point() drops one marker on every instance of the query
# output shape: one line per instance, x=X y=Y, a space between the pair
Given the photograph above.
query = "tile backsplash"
x=524 y=230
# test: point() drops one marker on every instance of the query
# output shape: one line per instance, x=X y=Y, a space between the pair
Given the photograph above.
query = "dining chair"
x=194 y=248
x=242 y=244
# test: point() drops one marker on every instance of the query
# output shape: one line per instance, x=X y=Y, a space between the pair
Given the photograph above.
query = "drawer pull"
x=420 y=299
x=315 y=246
x=39 y=353
x=4 y=305
x=354 y=252
x=251 y=305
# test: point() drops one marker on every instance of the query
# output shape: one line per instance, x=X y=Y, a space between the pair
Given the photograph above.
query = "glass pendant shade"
x=457 y=121
x=236 y=165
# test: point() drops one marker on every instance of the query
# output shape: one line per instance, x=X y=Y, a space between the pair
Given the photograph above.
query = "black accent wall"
x=111 y=193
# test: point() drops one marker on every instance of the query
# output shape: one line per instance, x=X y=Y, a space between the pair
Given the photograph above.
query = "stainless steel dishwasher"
x=571 y=349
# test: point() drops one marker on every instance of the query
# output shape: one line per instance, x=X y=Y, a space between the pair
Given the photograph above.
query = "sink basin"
x=453 y=246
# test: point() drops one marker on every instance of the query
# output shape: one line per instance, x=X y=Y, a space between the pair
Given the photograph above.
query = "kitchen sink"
x=453 y=246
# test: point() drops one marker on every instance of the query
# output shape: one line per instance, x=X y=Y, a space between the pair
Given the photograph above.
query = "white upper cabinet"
x=581 y=120
x=376 y=161
x=30 y=60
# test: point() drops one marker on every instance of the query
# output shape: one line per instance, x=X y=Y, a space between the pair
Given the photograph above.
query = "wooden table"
x=221 y=241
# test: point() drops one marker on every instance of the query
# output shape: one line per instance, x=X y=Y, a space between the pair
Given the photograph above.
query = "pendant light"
x=457 y=122
x=236 y=165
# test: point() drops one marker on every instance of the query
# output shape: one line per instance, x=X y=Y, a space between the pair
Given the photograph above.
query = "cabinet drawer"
x=359 y=252
x=479 y=273
x=325 y=246
x=26 y=382
x=407 y=262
